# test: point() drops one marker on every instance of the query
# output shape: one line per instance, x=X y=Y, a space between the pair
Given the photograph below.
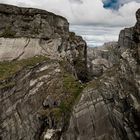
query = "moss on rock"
x=8 y=68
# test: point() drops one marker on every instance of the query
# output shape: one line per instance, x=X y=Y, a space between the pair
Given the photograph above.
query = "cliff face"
x=39 y=57
x=41 y=63
x=27 y=32
x=100 y=59
x=22 y=98
x=31 y=23
x=109 y=107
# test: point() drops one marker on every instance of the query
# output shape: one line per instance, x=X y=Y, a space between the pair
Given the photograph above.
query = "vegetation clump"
x=7 y=85
x=72 y=89
x=8 y=68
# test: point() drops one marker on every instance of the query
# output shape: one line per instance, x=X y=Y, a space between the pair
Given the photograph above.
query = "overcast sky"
x=101 y=16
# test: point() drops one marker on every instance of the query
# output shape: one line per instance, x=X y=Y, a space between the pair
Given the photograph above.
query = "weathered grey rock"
x=102 y=58
x=109 y=107
x=138 y=15
x=23 y=48
x=129 y=37
x=126 y=39
x=30 y=97
x=21 y=104
x=29 y=22
x=27 y=32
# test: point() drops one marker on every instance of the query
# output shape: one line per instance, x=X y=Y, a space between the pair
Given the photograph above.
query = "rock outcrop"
x=42 y=65
x=21 y=99
x=109 y=107
x=39 y=57
x=31 y=23
x=100 y=59
x=27 y=32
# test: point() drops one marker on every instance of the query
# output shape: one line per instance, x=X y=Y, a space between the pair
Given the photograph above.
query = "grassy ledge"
x=8 y=68
x=72 y=89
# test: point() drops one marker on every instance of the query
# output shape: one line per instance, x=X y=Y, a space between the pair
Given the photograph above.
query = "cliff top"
x=12 y=9
x=31 y=23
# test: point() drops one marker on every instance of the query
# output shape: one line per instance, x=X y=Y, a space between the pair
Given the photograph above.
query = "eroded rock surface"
x=29 y=22
x=109 y=107
x=22 y=101
x=27 y=32
x=100 y=59
x=41 y=63
x=39 y=81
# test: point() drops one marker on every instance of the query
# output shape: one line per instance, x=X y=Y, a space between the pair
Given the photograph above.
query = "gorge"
x=53 y=87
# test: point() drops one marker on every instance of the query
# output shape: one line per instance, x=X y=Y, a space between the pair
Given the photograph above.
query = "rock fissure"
x=22 y=53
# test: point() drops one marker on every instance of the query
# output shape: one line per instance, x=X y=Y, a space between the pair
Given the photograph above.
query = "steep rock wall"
x=100 y=59
x=109 y=107
x=31 y=23
x=21 y=99
x=39 y=57
x=27 y=32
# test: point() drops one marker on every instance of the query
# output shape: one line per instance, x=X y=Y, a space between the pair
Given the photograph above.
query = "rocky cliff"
x=41 y=64
x=33 y=23
x=109 y=107
x=28 y=32
x=100 y=59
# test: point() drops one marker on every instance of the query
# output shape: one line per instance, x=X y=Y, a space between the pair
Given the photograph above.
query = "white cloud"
x=96 y=35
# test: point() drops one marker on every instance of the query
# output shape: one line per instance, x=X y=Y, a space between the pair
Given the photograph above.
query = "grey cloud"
x=96 y=36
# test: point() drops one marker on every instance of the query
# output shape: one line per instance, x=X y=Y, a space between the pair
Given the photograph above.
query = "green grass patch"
x=72 y=89
x=8 y=68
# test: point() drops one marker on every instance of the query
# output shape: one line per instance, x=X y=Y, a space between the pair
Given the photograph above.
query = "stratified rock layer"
x=29 y=22
x=22 y=101
x=99 y=59
x=27 y=32
x=109 y=107
x=39 y=57
x=38 y=86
